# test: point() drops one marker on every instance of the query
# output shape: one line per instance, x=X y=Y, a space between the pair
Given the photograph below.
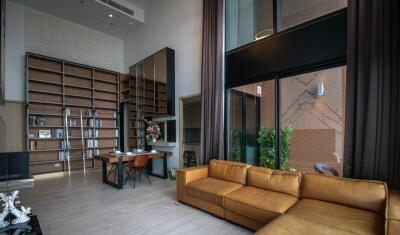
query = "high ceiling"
x=92 y=14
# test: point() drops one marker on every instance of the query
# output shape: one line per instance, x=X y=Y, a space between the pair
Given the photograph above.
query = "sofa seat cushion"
x=289 y=225
x=258 y=204
x=341 y=217
x=211 y=189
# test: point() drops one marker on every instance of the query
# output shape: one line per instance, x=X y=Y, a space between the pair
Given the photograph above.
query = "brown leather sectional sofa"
x=280 y=203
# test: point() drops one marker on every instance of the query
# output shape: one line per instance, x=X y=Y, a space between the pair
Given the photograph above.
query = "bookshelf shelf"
x=53 y=85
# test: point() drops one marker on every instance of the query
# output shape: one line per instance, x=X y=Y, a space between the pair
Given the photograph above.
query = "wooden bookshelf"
x=124 y=88
x=54 y=85
x=151 y=93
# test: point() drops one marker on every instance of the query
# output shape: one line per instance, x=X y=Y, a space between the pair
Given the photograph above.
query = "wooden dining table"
x=119 y=159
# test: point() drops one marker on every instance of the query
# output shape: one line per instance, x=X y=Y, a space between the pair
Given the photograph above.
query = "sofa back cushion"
x=286 y=182
x=362 y=194
x=230 y=171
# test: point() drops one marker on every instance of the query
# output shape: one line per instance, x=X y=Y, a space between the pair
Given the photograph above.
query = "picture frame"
x=44 y=134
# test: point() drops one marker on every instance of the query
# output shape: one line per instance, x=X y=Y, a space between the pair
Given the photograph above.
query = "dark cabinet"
x=151 y=92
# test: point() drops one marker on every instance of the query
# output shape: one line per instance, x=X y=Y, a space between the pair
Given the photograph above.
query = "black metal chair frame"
x=320 y=168
x=133 y=171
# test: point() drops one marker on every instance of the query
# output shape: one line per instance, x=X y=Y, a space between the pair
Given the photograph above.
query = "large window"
x=251 y=109
x=250 y=20
x=247 y=20
x=294 y=12
x=311 y=121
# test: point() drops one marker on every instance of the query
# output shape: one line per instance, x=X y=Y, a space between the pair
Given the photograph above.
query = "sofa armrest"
x=393 y=213
x=186 y=176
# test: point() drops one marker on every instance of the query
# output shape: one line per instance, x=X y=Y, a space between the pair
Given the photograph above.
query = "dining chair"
x=139 y=165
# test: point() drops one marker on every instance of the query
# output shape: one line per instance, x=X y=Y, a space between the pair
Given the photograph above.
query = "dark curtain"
x=212 y=128
x=372 y=136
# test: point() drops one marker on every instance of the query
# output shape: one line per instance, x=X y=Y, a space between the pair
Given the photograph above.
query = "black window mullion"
x=277 y=15
x=277 y=125
x=244 y=136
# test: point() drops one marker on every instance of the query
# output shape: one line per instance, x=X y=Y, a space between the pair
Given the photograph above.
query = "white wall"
x=53 y=36
x=176 y=24
x=34 y=31
x=15 y=51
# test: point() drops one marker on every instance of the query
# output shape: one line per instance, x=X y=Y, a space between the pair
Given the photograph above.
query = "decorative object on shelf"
x=32 y=145
x=72 y=123
x=152 y=131
x=21 y=216
x=36 y=121
x=44 y=133
x=58 y=133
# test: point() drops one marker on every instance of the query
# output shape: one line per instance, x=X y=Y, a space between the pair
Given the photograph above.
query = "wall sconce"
x=259 y=90
x=319 y=89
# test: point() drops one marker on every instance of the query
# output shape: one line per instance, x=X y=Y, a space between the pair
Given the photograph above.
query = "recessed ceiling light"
x=130 y=22
x=110 y=15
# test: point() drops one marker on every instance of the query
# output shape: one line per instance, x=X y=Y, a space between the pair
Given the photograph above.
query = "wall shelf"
x=53 y=85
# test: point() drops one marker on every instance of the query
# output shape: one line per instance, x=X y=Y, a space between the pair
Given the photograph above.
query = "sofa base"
x=203 y=205
x=243 y=220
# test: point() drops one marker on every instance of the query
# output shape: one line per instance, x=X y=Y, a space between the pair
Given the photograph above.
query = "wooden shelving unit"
x=54 y=85
x=124 y=88
x=151 y=93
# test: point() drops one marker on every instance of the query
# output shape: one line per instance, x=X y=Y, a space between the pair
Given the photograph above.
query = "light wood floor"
x=81 y=204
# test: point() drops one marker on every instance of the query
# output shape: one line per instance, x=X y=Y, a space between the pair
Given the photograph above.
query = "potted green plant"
x=266 y=140
x=235 y=145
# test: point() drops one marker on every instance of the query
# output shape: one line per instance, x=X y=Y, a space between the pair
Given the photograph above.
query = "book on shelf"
x=91 y=153
x=90 y=133
x=61 y=156
x=57 y=133
x=92 y=143
x=95 y=122
x=91 y=113
x=71 y=123
x=32 y=145
x=64 y=144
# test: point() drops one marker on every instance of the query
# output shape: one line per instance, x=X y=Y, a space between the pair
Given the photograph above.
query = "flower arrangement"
x=152 y=131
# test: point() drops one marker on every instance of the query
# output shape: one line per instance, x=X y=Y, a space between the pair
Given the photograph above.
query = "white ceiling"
x=90 y=13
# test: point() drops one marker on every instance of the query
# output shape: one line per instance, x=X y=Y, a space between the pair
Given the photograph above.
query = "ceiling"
x=92 y=14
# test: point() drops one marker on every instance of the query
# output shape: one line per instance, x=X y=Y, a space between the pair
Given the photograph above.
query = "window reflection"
x=312 y=112
x=247 y=20
x=251 y=109
x=313 y=104
x=296 y=12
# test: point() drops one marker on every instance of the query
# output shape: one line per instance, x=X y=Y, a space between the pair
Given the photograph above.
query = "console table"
x=120 y=159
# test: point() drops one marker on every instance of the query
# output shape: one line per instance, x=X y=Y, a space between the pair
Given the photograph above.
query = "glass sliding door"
x=251 y=121
x=311 y=122
x=312 y=112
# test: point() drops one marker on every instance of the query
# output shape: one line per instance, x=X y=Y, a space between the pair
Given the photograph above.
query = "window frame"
x=330 y=62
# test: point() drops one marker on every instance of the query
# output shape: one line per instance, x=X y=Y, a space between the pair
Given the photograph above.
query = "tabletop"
x=125 y=157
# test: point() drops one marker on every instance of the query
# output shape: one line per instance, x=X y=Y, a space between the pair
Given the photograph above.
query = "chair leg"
x=115 y=173
x=134 y=177
x=128 y=175
x=140 y=175
x=147 y=176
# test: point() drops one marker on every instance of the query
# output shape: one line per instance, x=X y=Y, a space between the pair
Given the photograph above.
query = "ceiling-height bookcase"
x=91 y=96
x=151 y=93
